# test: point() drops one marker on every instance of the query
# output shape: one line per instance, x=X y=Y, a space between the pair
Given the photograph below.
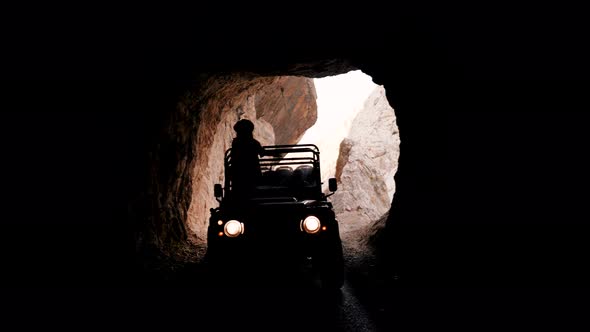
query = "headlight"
x=233 y=228
x=311 y=224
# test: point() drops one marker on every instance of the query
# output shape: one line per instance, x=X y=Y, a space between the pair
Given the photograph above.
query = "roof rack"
x=275 y=155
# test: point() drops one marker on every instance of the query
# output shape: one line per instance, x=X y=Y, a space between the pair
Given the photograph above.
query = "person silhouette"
x=245 y=165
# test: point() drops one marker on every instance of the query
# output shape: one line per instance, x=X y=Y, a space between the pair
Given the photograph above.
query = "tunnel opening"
x=347 y=116
x=358 y=137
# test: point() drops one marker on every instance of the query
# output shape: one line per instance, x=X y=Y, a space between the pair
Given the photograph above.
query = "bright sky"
x=339 y=99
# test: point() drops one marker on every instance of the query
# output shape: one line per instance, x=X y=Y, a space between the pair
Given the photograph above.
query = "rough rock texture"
x=177 y=156
x=366 y=167
x=289 y=100
x=273 y=104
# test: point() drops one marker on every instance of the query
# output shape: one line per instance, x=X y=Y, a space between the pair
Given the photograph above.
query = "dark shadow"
x=245 y=166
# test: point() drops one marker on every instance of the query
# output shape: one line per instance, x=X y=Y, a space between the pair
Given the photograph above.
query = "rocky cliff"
x=289 y=100
x=281 y=108
x=366 y=167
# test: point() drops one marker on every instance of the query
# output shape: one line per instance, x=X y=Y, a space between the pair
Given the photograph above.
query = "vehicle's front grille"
x=272 y=227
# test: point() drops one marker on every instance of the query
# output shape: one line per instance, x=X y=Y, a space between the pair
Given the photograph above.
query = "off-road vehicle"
x=286 y=220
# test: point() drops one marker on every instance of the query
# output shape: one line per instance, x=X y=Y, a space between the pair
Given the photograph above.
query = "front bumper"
x=273 y=246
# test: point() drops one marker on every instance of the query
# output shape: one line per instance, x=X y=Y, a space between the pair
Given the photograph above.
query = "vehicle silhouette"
x=286 y=221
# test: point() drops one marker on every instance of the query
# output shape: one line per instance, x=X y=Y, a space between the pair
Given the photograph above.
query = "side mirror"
x=217 y=191
x=332 y=184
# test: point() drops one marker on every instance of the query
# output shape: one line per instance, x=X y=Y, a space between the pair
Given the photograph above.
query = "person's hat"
x=244 y=126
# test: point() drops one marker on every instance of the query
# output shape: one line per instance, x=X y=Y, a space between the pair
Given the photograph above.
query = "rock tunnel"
x=188 y=158
x=117 y=145
x=103 y=119
x=283 y=108
x=140 y=135
x=168 y=205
